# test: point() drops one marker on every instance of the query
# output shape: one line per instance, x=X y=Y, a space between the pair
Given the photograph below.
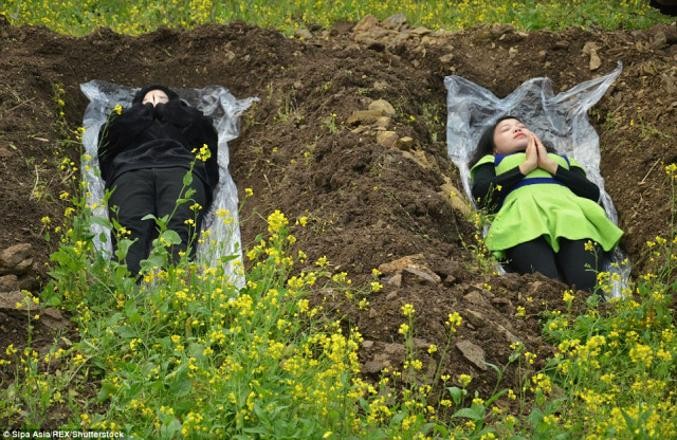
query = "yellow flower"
x=589 y=246
x=464 y=379
x=276 y=222
x=408 y=310
x=432 y=349
x=303 y=220
x=454 y=320
x=117 y=109
x=521 y=312
x=404 y=328
x=248 y=192
x=568 y=296
x=376 y=287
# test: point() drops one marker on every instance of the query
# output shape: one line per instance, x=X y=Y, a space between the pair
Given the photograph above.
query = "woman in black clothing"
x=144 y=153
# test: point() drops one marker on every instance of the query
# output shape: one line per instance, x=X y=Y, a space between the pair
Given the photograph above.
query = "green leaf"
x=187 y=178
x=171 y=237
x=149 y=217
x=456 y=394
x=475 y=412
x=122 y=248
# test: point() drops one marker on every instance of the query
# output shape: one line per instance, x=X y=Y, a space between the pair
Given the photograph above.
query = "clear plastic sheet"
x=560 y=120
x=223 y=238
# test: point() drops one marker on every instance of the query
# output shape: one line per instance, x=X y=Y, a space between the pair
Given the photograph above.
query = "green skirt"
x=552 y=211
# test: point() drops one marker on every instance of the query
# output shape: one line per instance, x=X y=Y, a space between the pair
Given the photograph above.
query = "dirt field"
x=303 y=150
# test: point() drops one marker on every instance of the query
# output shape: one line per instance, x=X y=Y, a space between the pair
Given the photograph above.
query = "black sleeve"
x=119 y=131
x=575 y=180
x=488 y=189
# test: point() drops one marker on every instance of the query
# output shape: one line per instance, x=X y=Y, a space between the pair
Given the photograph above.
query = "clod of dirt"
x=473 y=353
x=16 y=259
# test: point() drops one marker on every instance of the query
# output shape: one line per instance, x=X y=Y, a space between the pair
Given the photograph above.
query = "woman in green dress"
x=547 y=215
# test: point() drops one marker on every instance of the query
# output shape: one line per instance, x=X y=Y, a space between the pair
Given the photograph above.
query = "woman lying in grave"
x=144 y=153
x=547 y=216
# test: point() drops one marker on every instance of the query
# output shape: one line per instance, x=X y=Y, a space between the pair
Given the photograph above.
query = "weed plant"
x=78 y=17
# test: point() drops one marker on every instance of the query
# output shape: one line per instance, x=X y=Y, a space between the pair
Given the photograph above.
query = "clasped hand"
x=537 y=157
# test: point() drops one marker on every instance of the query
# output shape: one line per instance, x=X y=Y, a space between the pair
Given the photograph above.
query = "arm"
x=575 y=180
x=486 y=184
x=119 y=131
x=198 y=130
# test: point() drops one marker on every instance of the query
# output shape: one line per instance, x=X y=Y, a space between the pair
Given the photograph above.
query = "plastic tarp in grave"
x=225 y=110
x=560 y=120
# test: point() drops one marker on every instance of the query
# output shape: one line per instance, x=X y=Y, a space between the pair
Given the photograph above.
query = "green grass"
x=79 y=17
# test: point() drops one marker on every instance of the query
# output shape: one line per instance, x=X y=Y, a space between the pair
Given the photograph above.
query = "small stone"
x=473 y=353
x=399 y=264
x=303 y=34
x=367 y=23
x=9 y=283
x=423 y=275
x=505 y=332
x=23 y=267
x=367 y=344
x=391 y=296
x=395 y=349
x=498 y=30
x=383 y=122
x=406 y=141
x=590 y=49
x=419 y=157
x=363 y=117
x=475 y=297
x=53 y=319
x=396 y=22
x=475 y=318
x=421 y=31
x=13 y=255
x=455 y=199
x=377 y=364
x=380 y=86
x=395 y=280
x=382 y=106
x=595 y=61
x=8 y=301
x=446 y=59
x=387 y=139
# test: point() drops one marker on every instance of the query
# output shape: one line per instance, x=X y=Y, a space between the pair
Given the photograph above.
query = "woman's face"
x=155 y=97
x=510 y=136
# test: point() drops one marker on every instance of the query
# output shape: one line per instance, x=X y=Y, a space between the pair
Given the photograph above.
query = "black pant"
x=572 y=264
x=154 y=191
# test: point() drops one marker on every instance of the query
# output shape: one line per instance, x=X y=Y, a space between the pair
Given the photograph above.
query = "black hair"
x=138 y=96
x=486 y=143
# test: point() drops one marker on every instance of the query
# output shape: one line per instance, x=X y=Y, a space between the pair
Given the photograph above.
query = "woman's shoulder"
x=489 y=158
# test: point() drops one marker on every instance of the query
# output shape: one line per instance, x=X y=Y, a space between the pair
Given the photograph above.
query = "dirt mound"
x=373 y=178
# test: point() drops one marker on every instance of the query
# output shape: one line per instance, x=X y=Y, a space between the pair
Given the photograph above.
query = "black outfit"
x=143 y=155
x=572 y=264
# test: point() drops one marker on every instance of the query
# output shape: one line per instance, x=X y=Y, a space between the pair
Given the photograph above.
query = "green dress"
x=541 y=207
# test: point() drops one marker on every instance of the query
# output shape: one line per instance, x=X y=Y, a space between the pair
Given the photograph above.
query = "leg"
x=578 y=266
x=169 y=184
x=133 y=194
x=533 y=256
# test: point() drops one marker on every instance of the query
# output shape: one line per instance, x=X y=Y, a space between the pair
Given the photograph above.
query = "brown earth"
x=368 y=203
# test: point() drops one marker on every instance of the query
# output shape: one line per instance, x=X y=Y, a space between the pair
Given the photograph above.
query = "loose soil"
x=368 y=204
